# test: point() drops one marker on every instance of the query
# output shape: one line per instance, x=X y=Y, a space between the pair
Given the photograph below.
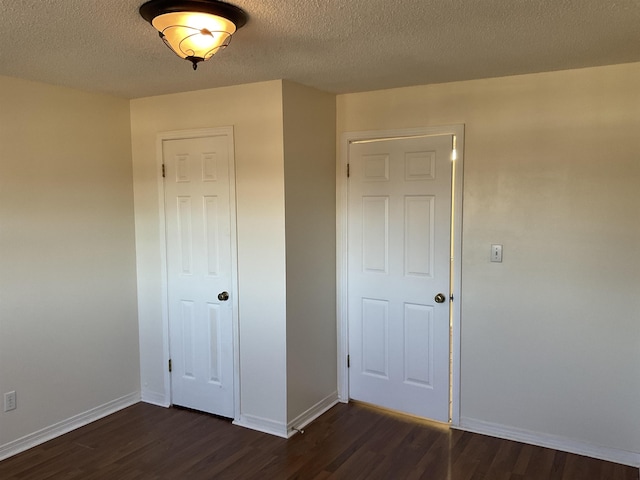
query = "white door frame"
x=342 y=252
x=179 y=135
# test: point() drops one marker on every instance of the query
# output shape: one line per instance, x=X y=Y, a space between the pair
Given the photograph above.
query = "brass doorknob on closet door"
x=440 y=298
x=223 y=296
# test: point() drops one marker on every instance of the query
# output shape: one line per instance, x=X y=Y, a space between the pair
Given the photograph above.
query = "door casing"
x=186 y=134
x=342 y=251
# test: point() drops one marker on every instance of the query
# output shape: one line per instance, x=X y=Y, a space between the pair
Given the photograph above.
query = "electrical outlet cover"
x=9 y=401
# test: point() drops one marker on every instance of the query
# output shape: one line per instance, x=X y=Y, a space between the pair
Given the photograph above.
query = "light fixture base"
x=155 y=8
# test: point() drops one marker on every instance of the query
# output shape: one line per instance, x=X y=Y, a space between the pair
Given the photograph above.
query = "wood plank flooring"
x=144 y=442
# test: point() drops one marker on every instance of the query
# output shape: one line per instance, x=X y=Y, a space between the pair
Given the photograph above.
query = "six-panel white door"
x=199 y=268
x=399 y=250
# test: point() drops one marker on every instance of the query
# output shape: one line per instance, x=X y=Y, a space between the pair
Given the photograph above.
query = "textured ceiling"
x=335 y=45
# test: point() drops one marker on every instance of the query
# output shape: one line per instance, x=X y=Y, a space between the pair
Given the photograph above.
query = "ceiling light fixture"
x=194 y=29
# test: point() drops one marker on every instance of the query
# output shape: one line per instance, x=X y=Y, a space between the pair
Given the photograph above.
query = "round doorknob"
x=223 y=296
x=440 y=298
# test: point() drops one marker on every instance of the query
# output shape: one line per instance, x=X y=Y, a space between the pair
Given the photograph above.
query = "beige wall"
x=310 y=193
x=550 y=337
x=68 y=324
x=255 y=112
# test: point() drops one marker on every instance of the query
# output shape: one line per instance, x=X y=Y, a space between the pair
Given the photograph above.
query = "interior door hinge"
x=348 y=361
x=163 y=172
x=348 y=173
x=170 y=366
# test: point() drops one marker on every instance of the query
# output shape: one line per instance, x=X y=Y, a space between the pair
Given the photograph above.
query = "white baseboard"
x=36 y=438
x=263 y=425
x=155 y=398
x=305 y=418
x=550 y=441
x=279 y=429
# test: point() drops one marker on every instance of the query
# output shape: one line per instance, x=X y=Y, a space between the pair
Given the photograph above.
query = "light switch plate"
x=496 y=253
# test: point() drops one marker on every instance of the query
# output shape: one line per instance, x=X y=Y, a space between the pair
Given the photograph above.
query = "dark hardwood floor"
x=348 y=442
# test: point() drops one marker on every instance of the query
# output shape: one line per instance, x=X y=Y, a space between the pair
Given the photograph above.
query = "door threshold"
x=399 y=414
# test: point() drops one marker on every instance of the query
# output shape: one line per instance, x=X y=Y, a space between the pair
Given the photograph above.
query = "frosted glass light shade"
x=198 y=35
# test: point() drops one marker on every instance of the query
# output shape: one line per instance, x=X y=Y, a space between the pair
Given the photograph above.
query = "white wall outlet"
x=10 y=401
x=496 y=253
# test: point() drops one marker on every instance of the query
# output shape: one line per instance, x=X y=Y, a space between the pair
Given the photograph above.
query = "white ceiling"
x=337 y=46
